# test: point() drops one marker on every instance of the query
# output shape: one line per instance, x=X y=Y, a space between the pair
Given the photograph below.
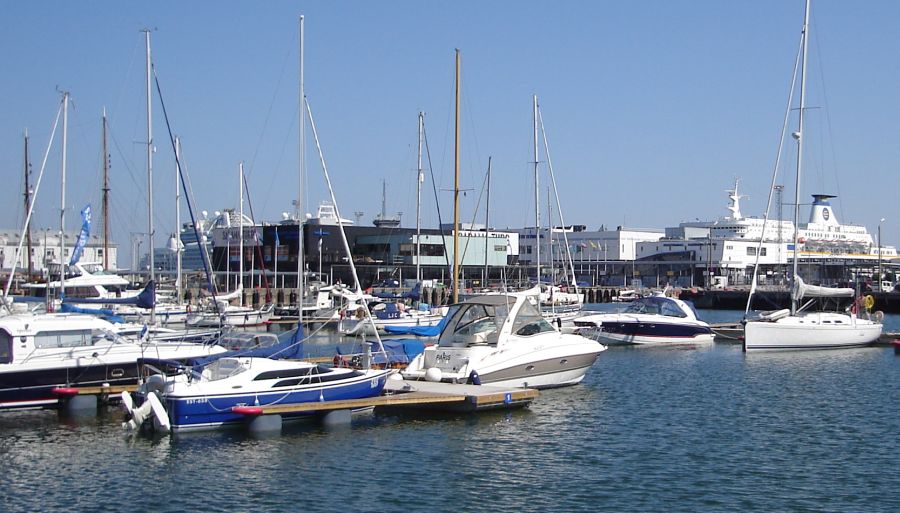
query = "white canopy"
x=802 y=290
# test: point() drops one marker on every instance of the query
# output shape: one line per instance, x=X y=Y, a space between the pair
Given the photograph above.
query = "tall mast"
x=62 y=201
x=179 y=285
x=420 y=177
x=105 y=196
x=487 y=222
x=150 y=174
x=798 y=135
x=455 y=283
x=537 y=208
x=27 y=208
x=300 y=217
x=241 y=236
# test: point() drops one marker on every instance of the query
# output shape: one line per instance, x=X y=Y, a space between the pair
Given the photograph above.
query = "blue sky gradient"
x=652 y=108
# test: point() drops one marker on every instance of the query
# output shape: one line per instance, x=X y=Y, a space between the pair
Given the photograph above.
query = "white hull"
x=819 y=330
x=238 y=317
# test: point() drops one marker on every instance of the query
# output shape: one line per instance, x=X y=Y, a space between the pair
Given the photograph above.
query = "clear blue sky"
x=652 y=108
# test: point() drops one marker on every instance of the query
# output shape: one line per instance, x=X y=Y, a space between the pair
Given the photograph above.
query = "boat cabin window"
x=52 y=339
x=223 y=368
x=6 y=341
x=529 y=321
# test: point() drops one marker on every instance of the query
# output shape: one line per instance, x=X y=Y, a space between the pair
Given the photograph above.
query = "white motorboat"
x=799 y=327
x=504 y=340
x=39 y=353
x=231 y=390
x=649 y=320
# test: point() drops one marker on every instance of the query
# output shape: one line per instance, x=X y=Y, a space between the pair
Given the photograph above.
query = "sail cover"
x=802 y=290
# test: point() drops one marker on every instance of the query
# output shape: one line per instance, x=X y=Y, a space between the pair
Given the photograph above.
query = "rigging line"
x=778 y=154
x=474 y=217
x=312 y=125
x=31 y=208
x=269 y=112
x=289 y=135
x=437 y=203
x=257 y=245
x=828 y=124
x=200 y=243
x=558 y=207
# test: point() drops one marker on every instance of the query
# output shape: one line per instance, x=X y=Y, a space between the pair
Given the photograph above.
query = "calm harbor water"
x=650 y=429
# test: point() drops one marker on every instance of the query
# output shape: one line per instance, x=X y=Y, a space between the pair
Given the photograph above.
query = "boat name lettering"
x=197 y=400
x=443 y=357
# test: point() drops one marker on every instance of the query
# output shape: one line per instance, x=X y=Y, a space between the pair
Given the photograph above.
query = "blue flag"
x=83 y=236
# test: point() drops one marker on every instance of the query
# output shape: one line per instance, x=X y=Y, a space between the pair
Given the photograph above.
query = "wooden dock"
x=398 y=395
x=415 y=395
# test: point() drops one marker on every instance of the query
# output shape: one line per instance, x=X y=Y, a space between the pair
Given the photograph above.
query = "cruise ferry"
x=823 y=234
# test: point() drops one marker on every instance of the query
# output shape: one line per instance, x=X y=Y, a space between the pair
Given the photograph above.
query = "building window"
x=751 y=251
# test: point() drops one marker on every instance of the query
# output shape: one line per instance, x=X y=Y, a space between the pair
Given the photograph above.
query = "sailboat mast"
x=105 y=196
x=456 y=189
x=487 y=222
x=799 y=136
x=179 y=285
x=150 y=173
x=241 y=235
x=300 y=189
x=62 y=201
x=420 y=177
x=27 y=207
x=537 y=208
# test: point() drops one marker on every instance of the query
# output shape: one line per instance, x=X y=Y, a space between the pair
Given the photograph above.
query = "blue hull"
x=649 y=329
x=212 y=411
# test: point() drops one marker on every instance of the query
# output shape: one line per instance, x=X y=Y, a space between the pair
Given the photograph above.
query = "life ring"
x=868 y=301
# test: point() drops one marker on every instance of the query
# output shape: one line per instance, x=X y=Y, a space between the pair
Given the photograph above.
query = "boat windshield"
x=529 y=320
x=223 y=368
x=481 y=319
x=656 y=306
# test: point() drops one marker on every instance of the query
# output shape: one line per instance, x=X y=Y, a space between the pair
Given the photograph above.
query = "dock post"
x=336 y=418
x=265 y=424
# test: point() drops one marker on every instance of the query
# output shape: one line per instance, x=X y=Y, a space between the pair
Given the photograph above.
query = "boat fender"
x=474 y=378
x=433 y=374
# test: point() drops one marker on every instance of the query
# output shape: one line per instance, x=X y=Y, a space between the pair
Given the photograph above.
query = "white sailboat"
x=798 y=328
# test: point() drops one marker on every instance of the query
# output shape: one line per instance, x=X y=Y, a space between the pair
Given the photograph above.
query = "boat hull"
x=213 y=411
x=650 y=333
x=813 y=331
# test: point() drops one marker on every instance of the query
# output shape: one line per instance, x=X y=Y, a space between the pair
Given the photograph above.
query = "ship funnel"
x=821 y=212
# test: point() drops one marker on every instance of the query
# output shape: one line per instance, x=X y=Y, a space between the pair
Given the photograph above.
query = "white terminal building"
x=45 y=249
